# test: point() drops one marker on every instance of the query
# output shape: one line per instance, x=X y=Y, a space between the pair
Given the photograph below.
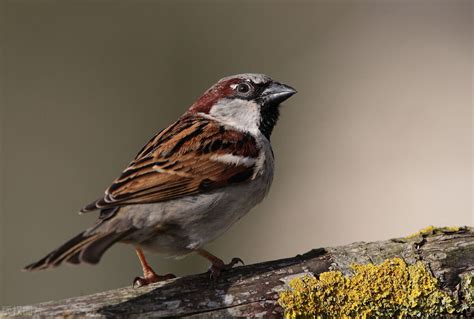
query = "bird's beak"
x=277 y=93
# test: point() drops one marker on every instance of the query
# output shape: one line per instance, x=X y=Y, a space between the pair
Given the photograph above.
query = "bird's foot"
x=218 y=266
x=150 y=278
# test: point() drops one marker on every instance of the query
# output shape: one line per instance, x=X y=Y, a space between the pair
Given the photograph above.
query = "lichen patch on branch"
x=391 y=289
x=431 y=230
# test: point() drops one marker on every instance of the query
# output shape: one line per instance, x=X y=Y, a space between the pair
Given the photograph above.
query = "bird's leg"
x=217 y=265
x=149 y=276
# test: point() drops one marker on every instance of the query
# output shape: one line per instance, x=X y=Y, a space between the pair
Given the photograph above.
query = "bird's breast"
x=179 y=226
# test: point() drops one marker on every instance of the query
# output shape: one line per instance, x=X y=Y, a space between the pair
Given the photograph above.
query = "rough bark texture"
x=253 y=290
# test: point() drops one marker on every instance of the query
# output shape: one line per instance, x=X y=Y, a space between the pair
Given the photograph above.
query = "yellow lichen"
x=467 y=289
x=392 y=289
x=430 y=230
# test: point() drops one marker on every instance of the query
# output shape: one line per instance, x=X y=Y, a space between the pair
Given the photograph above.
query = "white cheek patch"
x=234 y=159
x=241 y=114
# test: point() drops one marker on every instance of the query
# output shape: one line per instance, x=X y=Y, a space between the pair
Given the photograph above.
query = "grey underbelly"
x=179 y=226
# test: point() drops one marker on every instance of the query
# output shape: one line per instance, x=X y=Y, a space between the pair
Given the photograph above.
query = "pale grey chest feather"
x=177 y=227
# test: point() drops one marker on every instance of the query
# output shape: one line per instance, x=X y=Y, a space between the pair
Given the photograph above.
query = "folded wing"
x=193 y=155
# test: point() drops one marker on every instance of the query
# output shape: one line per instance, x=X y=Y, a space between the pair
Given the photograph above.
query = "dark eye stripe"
x=254 y=93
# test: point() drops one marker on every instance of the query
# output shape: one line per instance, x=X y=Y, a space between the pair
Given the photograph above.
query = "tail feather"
x=85 y=247
x=96 y=248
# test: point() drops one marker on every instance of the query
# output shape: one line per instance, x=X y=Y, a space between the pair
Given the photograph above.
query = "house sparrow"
x=190 y=182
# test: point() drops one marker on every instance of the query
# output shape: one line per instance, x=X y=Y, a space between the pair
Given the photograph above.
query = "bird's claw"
x=236 y=260
x=217 y=268
x=144 y=281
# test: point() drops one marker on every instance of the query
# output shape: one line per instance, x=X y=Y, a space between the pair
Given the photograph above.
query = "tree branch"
x=253 y=290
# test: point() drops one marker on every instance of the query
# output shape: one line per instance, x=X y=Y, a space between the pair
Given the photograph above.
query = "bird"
x=190 y=182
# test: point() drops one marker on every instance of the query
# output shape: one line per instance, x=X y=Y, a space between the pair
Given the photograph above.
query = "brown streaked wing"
x=177 y=162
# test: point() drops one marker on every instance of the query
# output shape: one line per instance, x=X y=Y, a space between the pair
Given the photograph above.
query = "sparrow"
x=190 y=182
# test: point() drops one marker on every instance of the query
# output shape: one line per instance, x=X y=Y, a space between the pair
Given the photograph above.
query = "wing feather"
x=181 y=161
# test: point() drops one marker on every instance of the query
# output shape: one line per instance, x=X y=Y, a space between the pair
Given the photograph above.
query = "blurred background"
x=377 y=143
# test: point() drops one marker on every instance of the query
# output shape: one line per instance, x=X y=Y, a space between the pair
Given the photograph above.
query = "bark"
x=253 y=290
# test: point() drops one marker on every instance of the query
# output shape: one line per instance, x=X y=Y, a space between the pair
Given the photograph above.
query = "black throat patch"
x=268 y=118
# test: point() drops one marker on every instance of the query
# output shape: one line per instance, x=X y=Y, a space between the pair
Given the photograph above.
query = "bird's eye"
x=243 y=88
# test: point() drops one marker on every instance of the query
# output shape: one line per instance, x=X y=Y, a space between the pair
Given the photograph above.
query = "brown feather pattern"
x=179 y=161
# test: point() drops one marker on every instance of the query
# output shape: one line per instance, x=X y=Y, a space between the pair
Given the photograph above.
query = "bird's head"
x=248 y=102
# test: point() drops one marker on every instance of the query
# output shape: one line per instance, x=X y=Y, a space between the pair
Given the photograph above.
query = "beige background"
x=376 y=144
